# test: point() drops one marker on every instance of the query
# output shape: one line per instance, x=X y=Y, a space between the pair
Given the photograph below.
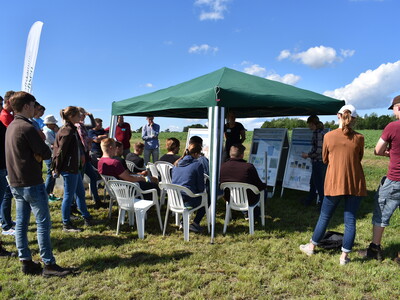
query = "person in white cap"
x=50 y=131
x=342 y=151
x=387 y=197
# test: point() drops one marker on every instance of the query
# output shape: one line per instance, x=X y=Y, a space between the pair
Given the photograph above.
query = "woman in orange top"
x=343 y=151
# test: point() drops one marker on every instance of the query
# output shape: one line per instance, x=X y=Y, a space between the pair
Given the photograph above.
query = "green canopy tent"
x=209 y=95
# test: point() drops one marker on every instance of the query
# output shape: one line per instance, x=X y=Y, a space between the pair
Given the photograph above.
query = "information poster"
x=268 y=144
x=203 y=133
x=298 y=169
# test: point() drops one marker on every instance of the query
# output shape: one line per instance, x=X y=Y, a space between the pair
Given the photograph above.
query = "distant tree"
x=186 y=128
x=167 y=130
x=288 y=123
x=139 y=130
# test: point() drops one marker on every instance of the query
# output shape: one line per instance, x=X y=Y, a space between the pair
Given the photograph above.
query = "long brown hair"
x=69 y=112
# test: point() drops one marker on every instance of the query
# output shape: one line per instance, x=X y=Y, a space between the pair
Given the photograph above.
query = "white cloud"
x=203 y=49
x=287 y=78
x=251 y=123
x=149 y=85
x=257 y=70
x=214 y=9
x=174 y=128
x=316 y=57
x=371 y=89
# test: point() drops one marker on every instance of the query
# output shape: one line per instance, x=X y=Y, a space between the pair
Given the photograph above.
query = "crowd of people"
x=76 y=148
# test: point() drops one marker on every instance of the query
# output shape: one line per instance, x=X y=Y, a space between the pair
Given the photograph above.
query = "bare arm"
x=127 y=177
x=381 y=148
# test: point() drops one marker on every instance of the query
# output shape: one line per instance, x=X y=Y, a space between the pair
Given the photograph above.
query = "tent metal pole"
x=216 y=122
x=113 y=126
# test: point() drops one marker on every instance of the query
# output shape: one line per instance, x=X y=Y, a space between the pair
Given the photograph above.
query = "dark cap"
x=396 y=100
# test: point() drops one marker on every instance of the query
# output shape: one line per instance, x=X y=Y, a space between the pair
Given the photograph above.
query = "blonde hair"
x=107 y=143
x=347 y=122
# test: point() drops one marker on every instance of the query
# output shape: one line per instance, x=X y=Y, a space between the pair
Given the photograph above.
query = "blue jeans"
x=73 y=185
x=50 y=180
x=35 y=199
x=317 y=181
x=351 y=204
x=5 y=201
x=91 y=173
x=150 y=152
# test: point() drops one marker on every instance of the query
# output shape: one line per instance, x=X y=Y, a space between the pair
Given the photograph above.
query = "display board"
x=298 y=170
x=268 y=153
x=203 y=133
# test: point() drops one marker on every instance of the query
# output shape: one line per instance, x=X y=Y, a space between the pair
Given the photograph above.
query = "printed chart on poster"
x=267 y=145
x=203 y=133
x=298 y=170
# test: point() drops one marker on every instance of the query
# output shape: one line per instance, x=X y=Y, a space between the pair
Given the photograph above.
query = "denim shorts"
x=387 y=199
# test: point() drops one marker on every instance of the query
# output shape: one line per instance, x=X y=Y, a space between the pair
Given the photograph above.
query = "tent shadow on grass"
x=101 y=263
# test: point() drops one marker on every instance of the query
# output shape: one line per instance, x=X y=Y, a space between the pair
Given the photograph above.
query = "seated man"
x=113 y=167
x=134 y=157
x=236 y=169
x=119 y=151
x=172 y=146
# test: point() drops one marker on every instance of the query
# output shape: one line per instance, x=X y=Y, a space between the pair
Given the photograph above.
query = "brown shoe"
x=373 y=251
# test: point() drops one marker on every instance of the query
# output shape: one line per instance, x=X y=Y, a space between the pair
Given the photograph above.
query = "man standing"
x=387 y=197
x=123 y=134
x=6 y=115
x=150 y=133
x=25 y=152
x=236 y=169
x=97 y=134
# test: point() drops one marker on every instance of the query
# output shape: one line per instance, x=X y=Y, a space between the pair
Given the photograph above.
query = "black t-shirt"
x=139 y=162
x=171 y=158
x=233 y=134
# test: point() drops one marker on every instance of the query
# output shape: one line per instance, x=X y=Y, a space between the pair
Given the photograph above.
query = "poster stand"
x=269 y=149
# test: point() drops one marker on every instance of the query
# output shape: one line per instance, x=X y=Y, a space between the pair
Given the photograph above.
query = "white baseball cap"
x=349 y=107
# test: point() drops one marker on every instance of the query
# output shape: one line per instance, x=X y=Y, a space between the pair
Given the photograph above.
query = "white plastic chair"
x=152 y=169
x=107 y=188
x=176 y=204
x=164 y=169
x=132 y=166
x=239 y=201
x=130 y=199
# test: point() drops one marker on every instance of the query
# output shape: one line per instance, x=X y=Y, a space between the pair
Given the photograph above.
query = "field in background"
x=267 y=265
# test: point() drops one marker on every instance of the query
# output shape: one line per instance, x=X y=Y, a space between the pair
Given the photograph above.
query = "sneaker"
x=195 y=228
x=55 y=270
x=345 y=261
x=29 y=267
x=53 y=198
x=372 y=252
x=10 y=231
x=306 y=249
x=69 y=227
x=74 y=217
x=88 y=222
x=181 y=225
x=5 y=253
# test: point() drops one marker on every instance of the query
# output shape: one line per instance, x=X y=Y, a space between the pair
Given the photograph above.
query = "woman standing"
x=318 y=167
x=234 y=133
x=68 y=160
x=343 y=151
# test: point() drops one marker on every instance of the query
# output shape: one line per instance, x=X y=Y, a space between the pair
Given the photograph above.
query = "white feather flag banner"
x=32 y=47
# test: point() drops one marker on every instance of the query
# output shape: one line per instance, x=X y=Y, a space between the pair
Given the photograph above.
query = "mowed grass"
x=267 y=265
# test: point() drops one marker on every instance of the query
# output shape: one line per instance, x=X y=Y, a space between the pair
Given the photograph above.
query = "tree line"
x=371 y=121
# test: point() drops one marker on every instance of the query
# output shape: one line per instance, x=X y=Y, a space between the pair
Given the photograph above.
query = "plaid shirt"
x=317 y=141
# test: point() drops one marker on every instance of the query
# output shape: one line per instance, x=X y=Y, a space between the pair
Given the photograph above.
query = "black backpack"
x=331 y=240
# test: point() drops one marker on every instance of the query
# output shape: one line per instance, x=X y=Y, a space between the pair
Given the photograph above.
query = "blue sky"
x=93 y=52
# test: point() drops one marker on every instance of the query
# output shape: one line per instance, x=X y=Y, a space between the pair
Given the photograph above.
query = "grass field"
x=267 y=265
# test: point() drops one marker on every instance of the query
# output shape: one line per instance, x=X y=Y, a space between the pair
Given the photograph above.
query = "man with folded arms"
x=24 y=155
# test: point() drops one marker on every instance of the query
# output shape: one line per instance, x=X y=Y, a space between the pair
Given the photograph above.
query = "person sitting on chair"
x=236 y=169
x=113 y=167
x=190 y=174
x=172 y=146
x=134 y=157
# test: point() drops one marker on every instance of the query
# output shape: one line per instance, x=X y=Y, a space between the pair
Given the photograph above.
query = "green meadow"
x=267 y=265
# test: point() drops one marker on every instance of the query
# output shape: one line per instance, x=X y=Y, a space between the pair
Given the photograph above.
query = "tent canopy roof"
x=247 y=95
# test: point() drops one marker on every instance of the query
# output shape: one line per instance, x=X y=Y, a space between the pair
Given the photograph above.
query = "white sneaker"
x=345 y=261
x=305 y=249
x=10 y=231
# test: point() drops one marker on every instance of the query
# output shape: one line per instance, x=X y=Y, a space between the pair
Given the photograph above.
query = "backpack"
x=331 y=240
